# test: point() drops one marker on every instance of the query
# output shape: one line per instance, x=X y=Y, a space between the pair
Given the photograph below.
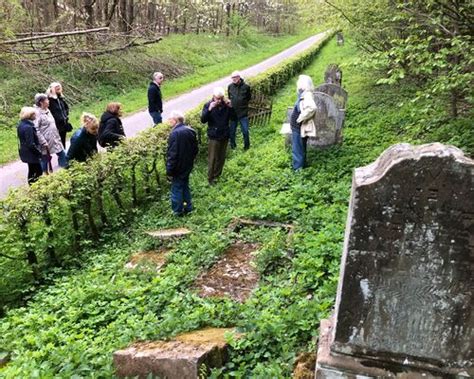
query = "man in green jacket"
x=239 y=95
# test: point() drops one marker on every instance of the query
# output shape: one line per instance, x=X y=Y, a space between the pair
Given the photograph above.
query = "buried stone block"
x=188 y=356
x=404 y=301
x=168 y=233
x=147 y=260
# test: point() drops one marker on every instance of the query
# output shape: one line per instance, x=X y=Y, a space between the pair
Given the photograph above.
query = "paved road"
x=14 y=174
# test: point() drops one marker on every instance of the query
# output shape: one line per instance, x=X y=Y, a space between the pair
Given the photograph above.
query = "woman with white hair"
x=59 y=109
x=29 y=147
x=301 y=121
x=216 y=113
x=48 y=134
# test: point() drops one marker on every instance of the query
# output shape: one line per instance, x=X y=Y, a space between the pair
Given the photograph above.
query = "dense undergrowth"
x=70 y=328
x=187 y=61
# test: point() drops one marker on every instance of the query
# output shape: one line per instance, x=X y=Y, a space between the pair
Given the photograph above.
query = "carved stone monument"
x=339 y=39
x=333 y=75
x=328 y=121
x=338 y=93
x=404 y=302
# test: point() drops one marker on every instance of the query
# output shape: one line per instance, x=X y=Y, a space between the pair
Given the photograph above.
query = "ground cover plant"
x=71 y=327
x=187 y=61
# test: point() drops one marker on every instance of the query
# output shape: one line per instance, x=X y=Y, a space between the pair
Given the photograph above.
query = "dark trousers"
x=298 y=150
x=34 y=172
x=181 y=195
x=62 y=134
x=244 y=127
x=216 y=158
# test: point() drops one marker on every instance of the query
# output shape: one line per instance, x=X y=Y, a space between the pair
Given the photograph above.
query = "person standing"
x=84 y=141
x=48 y=134
x=110 y=128
x=239 y=95
x=216 y=113
x=181 y=153
x=301 y=121
x=29 y=147
x=155 y=101
x=60 y=110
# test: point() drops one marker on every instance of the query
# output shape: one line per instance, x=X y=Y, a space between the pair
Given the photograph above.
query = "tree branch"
x=52 y=35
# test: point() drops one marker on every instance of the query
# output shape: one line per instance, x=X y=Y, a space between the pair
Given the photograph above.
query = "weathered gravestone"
x=339 y=39
x=404 y=302
x=338 y=93
x=328 y=121
x=333 y=75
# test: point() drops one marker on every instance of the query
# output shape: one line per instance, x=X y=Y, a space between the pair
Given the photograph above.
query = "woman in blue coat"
x=29 y=147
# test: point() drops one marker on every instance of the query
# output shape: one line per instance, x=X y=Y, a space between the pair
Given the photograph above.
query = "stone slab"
x=4 y=358
x=168 y=233
x=333 y=75
x=406 y=288
x=184 y=357
x=147 y=260
x=329 y=120
x=335 y=366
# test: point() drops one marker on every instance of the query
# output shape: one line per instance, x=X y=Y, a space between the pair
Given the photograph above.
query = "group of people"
x=42 y=132
x=43 y=128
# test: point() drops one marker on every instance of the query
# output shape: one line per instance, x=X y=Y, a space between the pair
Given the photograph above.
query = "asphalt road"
x=14 y=174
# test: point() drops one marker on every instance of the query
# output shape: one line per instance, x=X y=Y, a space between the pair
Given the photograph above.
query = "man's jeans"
x=181 y=195
x=298 y=149
x=244 y=127
x=156 y=116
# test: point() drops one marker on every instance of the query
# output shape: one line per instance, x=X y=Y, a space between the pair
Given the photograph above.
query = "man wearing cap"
x=181 y=153
x=155 y=102
x=216 y=113
x=239 y=95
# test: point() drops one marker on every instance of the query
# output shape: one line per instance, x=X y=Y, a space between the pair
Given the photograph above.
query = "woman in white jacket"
x=48 y=134
x=302 y=124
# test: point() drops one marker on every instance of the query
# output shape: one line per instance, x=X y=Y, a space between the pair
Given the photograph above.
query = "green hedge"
x=47 y=225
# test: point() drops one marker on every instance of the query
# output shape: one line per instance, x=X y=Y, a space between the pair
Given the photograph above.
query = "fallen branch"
x=52 y=35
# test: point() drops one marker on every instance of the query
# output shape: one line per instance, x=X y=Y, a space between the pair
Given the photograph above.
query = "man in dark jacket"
x=182 y=150
x=110 y=128
x=155 y=102
x=216 y=113
x=239 y=95
x=84 y=141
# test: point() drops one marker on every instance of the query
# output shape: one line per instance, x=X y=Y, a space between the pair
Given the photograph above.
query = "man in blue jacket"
x=182 y=151
x=155 y=102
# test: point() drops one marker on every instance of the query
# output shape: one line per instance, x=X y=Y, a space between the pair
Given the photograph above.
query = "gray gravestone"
x=339 y=39
x=406 y=286
x=338 y=93
x=328 y=120
x=333 y=75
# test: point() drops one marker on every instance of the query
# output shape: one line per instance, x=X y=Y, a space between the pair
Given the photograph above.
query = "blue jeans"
x=62 y=161
x=244 y=127
x=298 y=149
x=181 y=195
x=156 y=116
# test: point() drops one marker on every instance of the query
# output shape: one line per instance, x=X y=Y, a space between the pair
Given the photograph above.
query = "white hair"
x=178 y=115
x=305 y=83
x=157 y=74
x=218 y=92
x=235 y=73
x=52 y=88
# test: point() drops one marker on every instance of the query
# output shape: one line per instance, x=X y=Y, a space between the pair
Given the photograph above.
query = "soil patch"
x=148 y=259
x=232 y=276
x=305 y=365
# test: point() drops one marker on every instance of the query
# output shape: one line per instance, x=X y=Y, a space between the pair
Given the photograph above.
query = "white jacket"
x=47 y=132
x=308 y=109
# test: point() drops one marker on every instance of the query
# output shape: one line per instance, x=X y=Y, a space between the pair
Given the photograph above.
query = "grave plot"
x=187 y=356
x=148 y=260
x=232 y=276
